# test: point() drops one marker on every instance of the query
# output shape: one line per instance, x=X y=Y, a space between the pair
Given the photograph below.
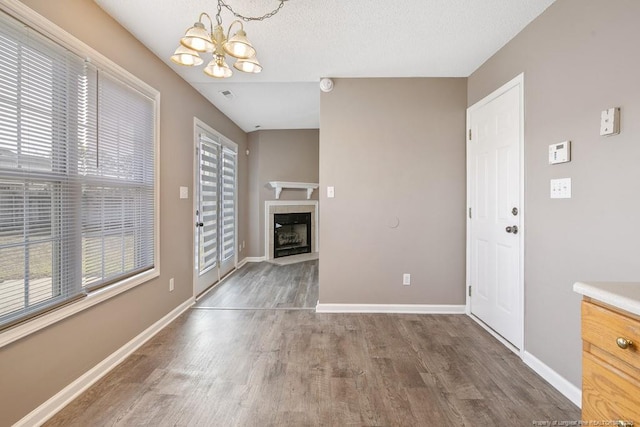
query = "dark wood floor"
x=278 y=367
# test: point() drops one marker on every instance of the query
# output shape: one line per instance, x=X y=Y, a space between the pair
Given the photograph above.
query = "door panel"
x=504 y=291
x=482 y=254
x=215 y=208
x=494 y=191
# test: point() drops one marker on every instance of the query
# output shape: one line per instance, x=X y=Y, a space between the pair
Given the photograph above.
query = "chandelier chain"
x=218 y=18
x=221 y=4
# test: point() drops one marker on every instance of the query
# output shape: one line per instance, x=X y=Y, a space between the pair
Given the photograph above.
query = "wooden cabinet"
x=610 y=364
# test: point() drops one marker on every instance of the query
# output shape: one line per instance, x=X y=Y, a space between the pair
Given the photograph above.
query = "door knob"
x=199 y=224
x=512 y=229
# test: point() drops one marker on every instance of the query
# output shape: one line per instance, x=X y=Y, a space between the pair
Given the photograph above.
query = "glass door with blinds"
x=215 y=207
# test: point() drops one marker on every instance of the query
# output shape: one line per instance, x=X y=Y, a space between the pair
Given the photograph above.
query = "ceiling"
x=311 y=39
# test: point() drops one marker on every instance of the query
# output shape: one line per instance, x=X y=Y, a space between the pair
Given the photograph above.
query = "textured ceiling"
x=310 y=39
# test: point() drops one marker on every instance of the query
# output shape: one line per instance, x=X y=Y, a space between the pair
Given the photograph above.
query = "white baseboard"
x=569 y=390
x=494 y=334
x=390 y=308
x=52 y=406
x=251 y=259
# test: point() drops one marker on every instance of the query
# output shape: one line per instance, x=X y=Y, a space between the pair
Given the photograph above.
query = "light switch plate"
x=561 y=188
x=610 y=122
x=331 y=192
x=560 y=153
x=184 y=192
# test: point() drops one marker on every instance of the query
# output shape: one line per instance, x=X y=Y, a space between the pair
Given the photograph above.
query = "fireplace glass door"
x=292 y=234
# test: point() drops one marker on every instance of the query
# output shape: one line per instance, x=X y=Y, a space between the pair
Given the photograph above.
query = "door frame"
x=197 y=123
x=518 y=82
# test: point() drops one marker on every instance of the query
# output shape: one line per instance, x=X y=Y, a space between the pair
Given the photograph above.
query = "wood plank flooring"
x=266 y=285
x=281 y=367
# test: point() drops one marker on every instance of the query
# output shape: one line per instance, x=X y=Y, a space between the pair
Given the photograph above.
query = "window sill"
x=93 y=298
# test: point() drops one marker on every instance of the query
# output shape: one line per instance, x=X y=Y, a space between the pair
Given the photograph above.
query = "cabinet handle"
x=624 y=343
x=622 y=423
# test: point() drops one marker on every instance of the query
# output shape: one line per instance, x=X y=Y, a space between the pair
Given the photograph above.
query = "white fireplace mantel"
x=279 y=185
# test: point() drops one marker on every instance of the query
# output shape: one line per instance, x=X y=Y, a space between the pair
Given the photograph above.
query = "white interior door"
x=215 y=207
x=494 y=170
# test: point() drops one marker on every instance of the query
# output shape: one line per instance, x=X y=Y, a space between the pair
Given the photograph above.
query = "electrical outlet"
x=406 y=279
x=171 y=287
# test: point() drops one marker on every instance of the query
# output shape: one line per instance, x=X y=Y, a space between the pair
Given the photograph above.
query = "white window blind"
x=209 y=175
x=118 y=186
x=76 y=176
x=228 y=214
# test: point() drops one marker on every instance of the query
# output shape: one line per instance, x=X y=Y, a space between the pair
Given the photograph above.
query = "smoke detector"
x=326 y=85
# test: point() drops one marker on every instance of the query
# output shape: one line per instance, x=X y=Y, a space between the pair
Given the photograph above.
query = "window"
x=118 y=186
x=77 y=176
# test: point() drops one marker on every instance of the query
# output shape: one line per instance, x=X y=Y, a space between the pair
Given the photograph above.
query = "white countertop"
x=622 y=295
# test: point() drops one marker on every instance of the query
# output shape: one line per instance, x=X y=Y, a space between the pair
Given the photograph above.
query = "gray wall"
x=37 y=367
x=278 y=155
x=393 y=148
x=579 y=58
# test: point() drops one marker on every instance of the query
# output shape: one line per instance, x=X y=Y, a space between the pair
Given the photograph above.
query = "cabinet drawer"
x=601 y=327
x=607 y=393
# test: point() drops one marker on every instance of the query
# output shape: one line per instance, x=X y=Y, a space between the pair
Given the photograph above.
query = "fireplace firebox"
x=291 y=234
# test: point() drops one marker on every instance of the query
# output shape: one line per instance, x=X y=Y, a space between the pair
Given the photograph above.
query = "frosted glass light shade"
x=197 y=38
x=249 y=65
x=239 y=46
x=218 y=68
x=185 y=56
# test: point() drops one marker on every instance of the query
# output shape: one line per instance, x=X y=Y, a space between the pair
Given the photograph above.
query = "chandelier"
x=197 y=40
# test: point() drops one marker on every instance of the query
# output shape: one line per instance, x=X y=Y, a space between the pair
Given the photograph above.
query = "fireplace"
x=277 y=207
x=291 y=234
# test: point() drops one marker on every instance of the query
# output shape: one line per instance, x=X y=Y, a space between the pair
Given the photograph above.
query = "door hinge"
x=469 y=213
x=469 y=134
x=469 y=290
